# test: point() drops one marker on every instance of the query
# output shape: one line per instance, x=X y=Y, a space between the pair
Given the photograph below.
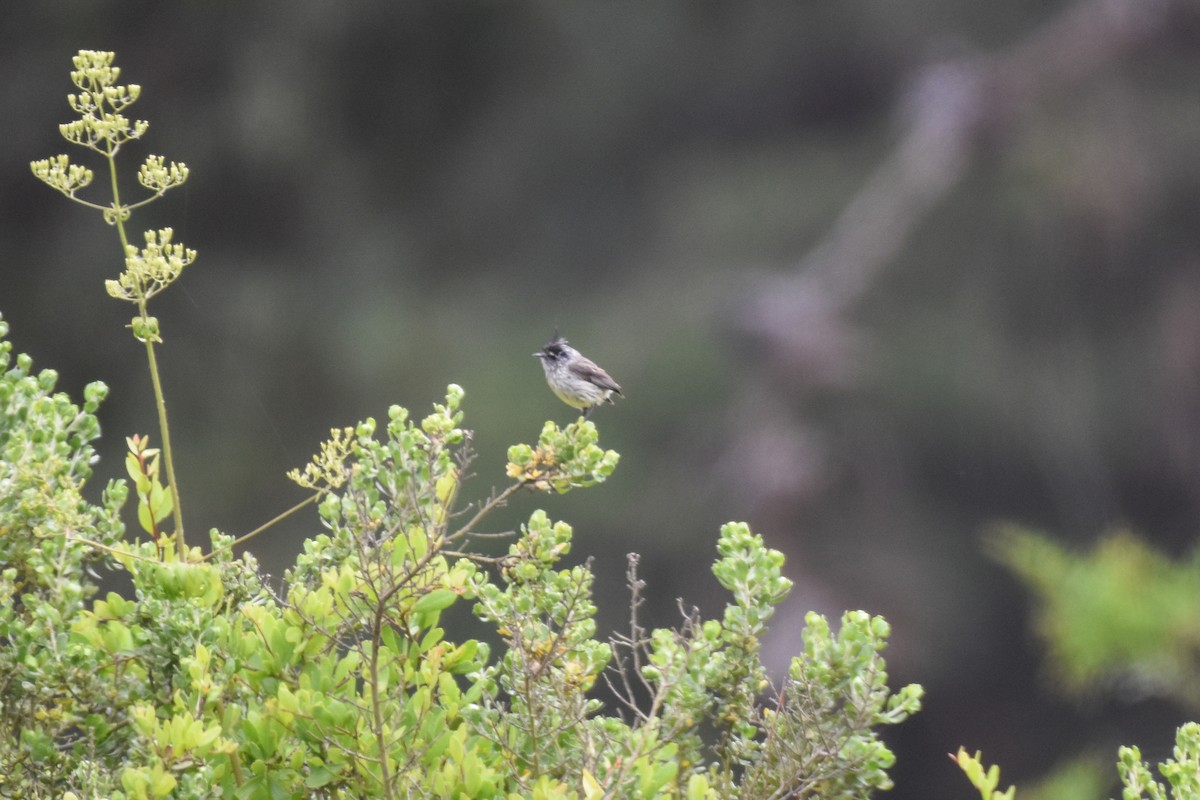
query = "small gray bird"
x=576 y=379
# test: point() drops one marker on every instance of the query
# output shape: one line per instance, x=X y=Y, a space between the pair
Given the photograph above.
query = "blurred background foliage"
x=388 y=197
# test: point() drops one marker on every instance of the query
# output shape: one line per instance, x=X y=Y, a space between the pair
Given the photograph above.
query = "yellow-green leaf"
x=436 y=600
x=592 y=790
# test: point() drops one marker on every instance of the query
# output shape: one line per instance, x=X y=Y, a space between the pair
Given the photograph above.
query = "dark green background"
x=388 y=197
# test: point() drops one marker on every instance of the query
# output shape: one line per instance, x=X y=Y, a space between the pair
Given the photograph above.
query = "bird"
x=574 y=378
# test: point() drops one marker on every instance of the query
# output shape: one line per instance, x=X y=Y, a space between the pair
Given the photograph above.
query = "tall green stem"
x=159 y=400
x=165 y=431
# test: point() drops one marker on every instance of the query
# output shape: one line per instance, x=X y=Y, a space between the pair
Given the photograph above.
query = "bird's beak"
x=539 y=355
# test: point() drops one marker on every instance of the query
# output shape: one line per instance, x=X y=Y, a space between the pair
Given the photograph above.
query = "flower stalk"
x=103 y=128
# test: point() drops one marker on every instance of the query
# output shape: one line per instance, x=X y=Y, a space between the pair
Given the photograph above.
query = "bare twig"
x=497 y=501
x=274 y=520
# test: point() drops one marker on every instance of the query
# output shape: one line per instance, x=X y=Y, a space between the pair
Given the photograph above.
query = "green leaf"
x=134 y=468
x=697 y=787
x=436 y=600
x=161 y=502
x=592 y=790
x=318 y=777
x=144 y=520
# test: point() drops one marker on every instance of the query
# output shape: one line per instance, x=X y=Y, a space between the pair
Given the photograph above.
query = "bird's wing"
x=587 y=370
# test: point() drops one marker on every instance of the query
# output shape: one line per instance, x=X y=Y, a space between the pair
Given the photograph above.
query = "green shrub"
x=200 y=681
x=1182 y=771
x=1121 y=614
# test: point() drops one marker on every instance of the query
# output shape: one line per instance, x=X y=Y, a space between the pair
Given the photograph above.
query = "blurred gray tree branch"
x=954 y=109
